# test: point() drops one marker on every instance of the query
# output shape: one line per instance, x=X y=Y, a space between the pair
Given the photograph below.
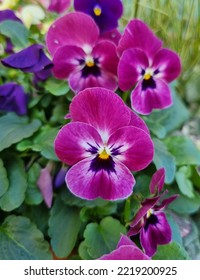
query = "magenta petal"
x=130 y=67
x=108 y=59
x=78 y=83
x=126 y=252
x=113 y=36
x=71 y=143
x=131 y=142
x=138 y=35
x=157 y=181
x=83 y=182
x=125 y=240
x=59 y=6
x=144 y=101
x=168 y=63
x=72 y=29
x=66 y=60
x=157 y=234
x=147 y=205
x=166 y=202
x=100 y=108
x=138 y=122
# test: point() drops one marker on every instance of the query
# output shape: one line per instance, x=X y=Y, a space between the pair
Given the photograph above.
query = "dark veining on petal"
x=93 y=150
x=116 y=151
x=152 y=220
x=150 y=83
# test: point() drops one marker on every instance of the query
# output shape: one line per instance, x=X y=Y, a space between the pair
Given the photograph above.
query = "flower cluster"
x=104 y=143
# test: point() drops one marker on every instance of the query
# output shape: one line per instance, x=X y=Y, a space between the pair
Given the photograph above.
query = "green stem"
x=136 y=8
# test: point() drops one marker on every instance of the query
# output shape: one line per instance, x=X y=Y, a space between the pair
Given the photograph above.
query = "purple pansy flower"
x=126 y=250
x=106 y=13
x=150 y=221
x=8 y=15
x=103 y=143
x=79 y=55
x=148 y=66
x=31 y=59
x=13 y=98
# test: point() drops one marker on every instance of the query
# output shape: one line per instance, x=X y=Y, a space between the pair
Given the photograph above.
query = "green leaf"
x=43 y=142
x=4 y=183
x=184 y=204
x=15 y=194
x=64 y=226
x=57 y=87
x=184 y=150
x=184 y=184
x=103 y=238
x=171 y=251
x=176 y=235
x=162 y=158
x=16 y=31
x=164 y=121
x=15 y=128
x=69 y=199
x=21 y=240
x=33 y=194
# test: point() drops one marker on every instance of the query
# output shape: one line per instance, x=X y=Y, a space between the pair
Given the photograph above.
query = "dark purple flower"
x=126 y=250
x=8 y=15
x=147 y=66
x=31 y=59
x=13 y=98
x=106 y=13
x=60 y=177
x=150 y=221
x=79 y=56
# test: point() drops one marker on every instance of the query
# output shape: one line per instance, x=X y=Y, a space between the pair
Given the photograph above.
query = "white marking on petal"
x=87 y=49
x=56 y=42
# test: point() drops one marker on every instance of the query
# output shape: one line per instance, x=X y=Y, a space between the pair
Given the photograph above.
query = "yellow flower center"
x=149 y=213
x=89 y=61
x=104 y=154
x=97 y=10
x=147 y=76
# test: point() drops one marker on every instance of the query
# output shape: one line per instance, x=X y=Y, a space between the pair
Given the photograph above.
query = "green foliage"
x=171 y=251
x=164 y=121
x=64 y=226
x=4 y=183
x=21 y=240
x=15 y=194
x=183 y=181
x=33 y=195
x=163 y=158
x=57 y=87
x=184 y=150
x=101 y=238
x=16 y=31
x=15 y=129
